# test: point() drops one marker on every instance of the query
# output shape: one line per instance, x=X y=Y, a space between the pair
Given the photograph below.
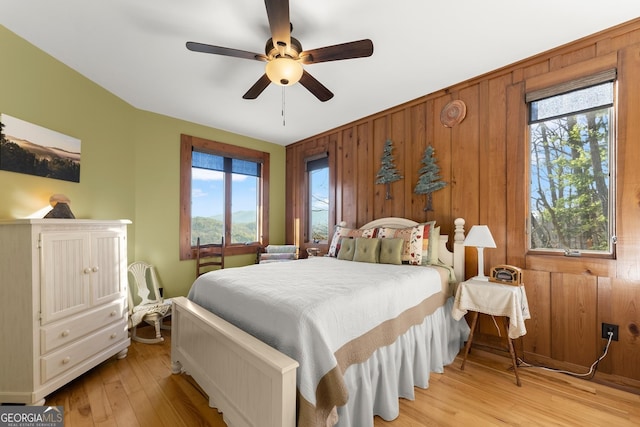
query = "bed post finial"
x=458 y=250
x=458 y=235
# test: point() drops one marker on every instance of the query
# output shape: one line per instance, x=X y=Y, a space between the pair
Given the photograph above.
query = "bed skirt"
x=407 y=363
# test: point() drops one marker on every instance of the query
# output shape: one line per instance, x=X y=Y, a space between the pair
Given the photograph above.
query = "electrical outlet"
x=608 y=327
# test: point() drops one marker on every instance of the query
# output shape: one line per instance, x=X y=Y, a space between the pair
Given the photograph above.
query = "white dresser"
x=63 y=302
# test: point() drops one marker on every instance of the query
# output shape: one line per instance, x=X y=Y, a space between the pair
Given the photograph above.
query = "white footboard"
x=251 y=383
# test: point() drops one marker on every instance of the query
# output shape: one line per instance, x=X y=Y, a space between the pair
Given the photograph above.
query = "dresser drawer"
x=68 y=330
x=66 y=358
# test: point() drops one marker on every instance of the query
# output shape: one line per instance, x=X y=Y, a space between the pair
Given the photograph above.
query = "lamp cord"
x=590 y=374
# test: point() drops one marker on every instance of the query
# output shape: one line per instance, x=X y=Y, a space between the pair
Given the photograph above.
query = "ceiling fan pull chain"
x=283 y=107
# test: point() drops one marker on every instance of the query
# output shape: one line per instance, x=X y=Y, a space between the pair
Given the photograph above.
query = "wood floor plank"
x=160 y=402
x=100 y=408
x=140 y=390
x=484 y=394
x=79 y=406
x=200 y=401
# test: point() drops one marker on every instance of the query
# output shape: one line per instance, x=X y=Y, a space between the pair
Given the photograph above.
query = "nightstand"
x=311 y=252
x=494 y=299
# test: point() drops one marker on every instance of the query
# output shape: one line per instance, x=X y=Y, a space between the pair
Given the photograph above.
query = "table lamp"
x=480 y=237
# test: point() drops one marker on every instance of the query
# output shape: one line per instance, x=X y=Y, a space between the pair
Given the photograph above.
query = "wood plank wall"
x=483 y=160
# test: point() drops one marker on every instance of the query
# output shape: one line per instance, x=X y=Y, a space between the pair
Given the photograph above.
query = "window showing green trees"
x=224 y=189
x=571 y=188
x=318 y=194
x=223 y=194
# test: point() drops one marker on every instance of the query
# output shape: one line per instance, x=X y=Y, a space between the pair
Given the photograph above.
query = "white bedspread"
x=310 y=308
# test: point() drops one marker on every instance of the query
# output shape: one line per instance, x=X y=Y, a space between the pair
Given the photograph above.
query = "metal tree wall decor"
x=388 y=172
x=429 y=180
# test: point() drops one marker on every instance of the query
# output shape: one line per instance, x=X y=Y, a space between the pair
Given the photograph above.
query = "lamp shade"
x=480 y=237
x=284 y=71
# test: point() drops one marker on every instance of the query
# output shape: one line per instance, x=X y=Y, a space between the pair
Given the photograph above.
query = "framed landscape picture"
x=34 y=150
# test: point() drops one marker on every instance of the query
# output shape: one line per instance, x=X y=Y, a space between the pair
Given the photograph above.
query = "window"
x=222 y=194
x=570 y=168
x=318 y=196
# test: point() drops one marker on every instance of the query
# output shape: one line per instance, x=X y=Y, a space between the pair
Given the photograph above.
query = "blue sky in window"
x=207 y=186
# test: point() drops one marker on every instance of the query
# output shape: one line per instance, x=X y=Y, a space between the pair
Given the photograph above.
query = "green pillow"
x=367 y=249
x=434 y=245
x=347 y=248
x=391 y=251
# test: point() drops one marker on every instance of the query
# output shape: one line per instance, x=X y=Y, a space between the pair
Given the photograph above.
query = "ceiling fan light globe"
x=284 y=71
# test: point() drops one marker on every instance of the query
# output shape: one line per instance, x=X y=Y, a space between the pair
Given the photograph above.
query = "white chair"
x=145 y=302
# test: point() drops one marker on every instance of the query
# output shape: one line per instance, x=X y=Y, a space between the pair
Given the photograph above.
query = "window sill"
x=602 y=267
x=228 y=250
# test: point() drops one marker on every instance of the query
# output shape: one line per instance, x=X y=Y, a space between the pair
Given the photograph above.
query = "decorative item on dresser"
x=60 y=204
x=63 y=302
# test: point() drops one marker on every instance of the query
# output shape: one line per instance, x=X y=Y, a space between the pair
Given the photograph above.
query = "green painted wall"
x=129 y=164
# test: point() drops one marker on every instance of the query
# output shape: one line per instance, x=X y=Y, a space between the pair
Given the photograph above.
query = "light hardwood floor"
x=141 y=391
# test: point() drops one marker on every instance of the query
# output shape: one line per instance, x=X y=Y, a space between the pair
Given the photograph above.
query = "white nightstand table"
x=494 y=299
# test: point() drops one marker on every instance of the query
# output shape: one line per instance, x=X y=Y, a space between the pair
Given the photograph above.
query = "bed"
x=326 y=340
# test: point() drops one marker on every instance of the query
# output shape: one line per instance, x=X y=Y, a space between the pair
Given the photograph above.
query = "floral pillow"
x=412 y=236
x=427 y=243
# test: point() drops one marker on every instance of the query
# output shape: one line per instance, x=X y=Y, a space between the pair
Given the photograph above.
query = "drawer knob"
x=65 y=333
x=87 y=270
x=113 y=313
x=95 y=269
x=66 y=360
x=113 y=335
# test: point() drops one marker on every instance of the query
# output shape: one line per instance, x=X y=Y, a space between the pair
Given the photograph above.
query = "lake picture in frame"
x=34 y=150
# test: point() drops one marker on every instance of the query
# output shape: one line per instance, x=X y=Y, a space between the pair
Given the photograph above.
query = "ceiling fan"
x=284 y=55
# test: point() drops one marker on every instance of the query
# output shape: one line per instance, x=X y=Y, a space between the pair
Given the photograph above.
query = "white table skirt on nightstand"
x=494 y=299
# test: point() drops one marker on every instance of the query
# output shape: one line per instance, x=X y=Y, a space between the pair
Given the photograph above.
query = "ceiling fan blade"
x=257 y=88
x=217 y=50
x=279 y=23
x=315 y=87
x=356 y=49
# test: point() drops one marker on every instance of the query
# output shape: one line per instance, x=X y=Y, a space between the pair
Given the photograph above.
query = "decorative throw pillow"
x=426 y=247
x=434 y=245
x=347 y=248
x=367 y=249
x=412 y=236
x=341 y=231
x=338 y=232
x=391 y=251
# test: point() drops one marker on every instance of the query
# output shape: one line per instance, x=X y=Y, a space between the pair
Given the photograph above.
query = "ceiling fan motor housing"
x=272 y=51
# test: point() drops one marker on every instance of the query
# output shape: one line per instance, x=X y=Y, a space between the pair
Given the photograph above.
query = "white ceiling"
x=136 y=50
